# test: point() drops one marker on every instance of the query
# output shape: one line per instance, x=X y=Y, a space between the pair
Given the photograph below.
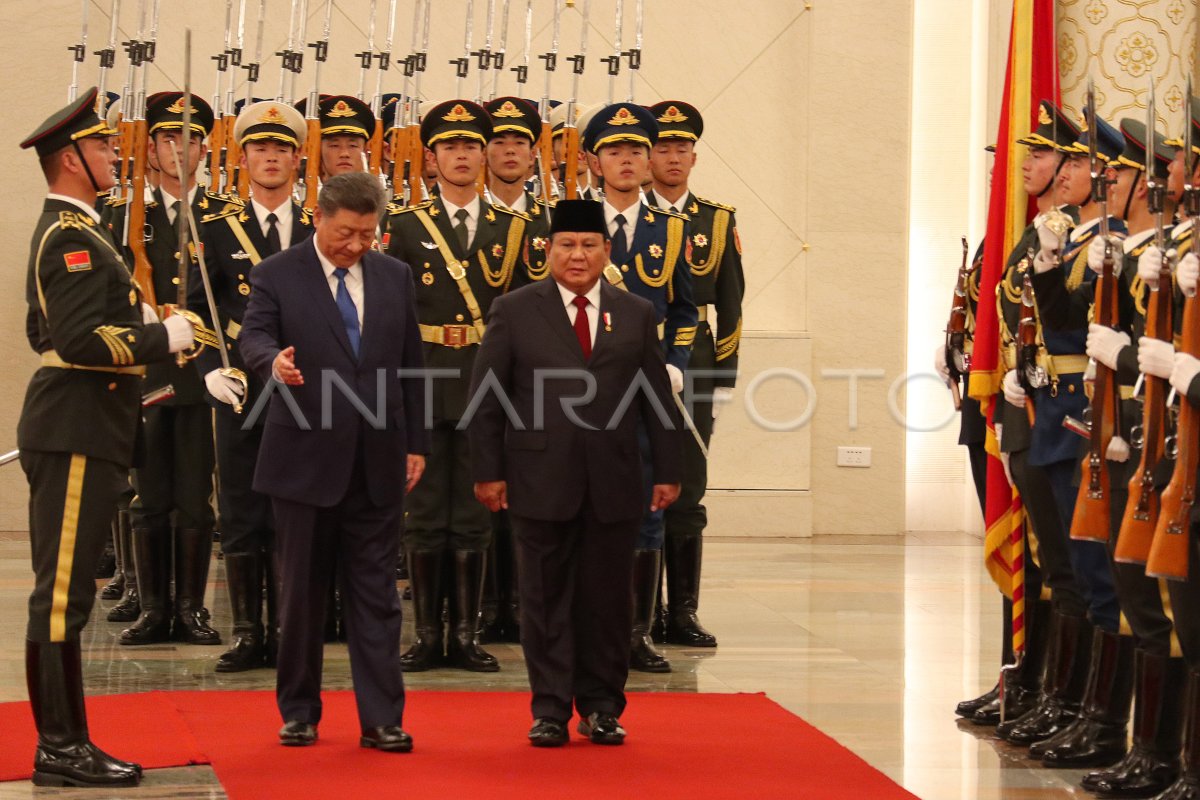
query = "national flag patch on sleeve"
x=78 y=261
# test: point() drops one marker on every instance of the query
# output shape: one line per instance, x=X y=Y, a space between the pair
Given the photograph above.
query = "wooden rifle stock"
x=216 y=146
x=416 y=157
x=238 y=179
x=1168 y=557
x=571 y=158
x=1143 y=506
x=125 y=145
x=958 y=363
x=143 y=271
x=399 y=138
x=312 y=164
x=1094 y=502
x=375 y=156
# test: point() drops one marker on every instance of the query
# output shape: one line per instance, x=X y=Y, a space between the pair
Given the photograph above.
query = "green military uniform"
x=172 y=513
x=715 y=258
x=77 y=435
x=455 y=285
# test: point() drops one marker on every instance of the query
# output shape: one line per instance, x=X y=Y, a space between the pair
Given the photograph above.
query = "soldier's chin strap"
x=86 y=168
x=1062 y=160
x=1129 y=197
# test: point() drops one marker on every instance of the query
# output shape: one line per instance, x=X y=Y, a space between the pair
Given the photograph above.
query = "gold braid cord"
x=720 y=232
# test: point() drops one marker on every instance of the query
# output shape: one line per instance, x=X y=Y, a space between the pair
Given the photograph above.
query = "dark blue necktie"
x=348 y=310
x=620 y=249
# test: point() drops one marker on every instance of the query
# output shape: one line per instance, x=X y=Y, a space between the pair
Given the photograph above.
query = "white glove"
x=1185 y=371
x=1044 y=261
x=1048 y=239
x=1188 y=274
x=149 y=315
x=1155 y=357
x=1014 y=393
x=675 y=375
x=1096 y=254
x=180 y=333
x=1118 y=450
x=1000 y=436
x=722 y=395
x=1149 y=265
x=1007 y=469
x=939 y=364
x=223 y=388
x=1104 y=344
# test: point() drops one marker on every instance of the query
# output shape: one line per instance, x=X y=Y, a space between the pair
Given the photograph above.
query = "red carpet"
x=146 y=728
x=474 y=743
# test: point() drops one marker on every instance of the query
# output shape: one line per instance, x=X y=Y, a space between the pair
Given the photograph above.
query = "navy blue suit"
x=335 y=468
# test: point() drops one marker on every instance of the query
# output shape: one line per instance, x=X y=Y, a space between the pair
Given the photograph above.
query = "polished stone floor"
x=870 y=639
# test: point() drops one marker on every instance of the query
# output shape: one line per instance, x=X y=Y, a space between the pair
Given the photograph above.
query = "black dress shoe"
x=388 y=738
x=602 y=728
x=968 y=707
x=81 y=764
x=297 y=734
x=547 y=732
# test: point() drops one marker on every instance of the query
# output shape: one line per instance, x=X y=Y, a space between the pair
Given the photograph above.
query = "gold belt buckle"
x=455 y=335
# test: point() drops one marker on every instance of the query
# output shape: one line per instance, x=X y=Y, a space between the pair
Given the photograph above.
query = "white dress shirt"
x=592 y=309
x=283 y=223
x=678 y=206
x=472 y=216
x=84 y=207
x=1135 y=240
x=631 y=217
x=520 y=205
x=169 y=200
x=354 y=280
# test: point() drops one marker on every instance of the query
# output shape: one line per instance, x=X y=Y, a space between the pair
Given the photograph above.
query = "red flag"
x=1029 y=78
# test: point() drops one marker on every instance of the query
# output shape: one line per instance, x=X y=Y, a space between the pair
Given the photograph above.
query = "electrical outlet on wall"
x=853 y=456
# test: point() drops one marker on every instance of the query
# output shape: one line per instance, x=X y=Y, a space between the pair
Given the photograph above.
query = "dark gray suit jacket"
x=553 y=466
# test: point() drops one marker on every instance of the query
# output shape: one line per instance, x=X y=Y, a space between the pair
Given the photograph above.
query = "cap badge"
x=672 y=115
x=508 y=110
x=340 y=109
x=271 y=116
x=1044 y=116
x=459 y=114
x=623 y=117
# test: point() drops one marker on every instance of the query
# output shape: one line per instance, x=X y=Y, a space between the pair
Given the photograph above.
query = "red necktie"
x=582 y=331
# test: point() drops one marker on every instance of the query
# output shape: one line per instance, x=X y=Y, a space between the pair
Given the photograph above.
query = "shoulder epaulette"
x=73 y=219
x=305 y=216
x=228 y=210
x=116 y=201
x=396 y=208
x=224 y=197
x=507 y=210
x=715 y=204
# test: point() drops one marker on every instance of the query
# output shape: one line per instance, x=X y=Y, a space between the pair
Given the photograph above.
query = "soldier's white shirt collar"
x=521 y=205
x=679 y=206
x=1079 y=231
x=472 y=209
x=84 y=207
x=283 y=219
x=1182 y=228
x=169 y=200
x=1135 y=240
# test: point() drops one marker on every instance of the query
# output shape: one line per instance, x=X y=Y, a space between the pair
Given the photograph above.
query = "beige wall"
x=807 y=111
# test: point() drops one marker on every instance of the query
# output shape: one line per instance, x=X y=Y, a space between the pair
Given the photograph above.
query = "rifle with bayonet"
x=417 y=191
x=484 y=64
x=384 y=59
x=1142 y=508
x=958 y=360
x=635 y=53
x=1169 y=550
x=500 y=54
x=546 y=166
x=570 y=178
x=312 y=147
x=462 y=64
x=79 y=54
x=240 y=178
x=217 y=138
x=1090 y=521
x=614 y=61
x=135 y=217
x=1029 y=346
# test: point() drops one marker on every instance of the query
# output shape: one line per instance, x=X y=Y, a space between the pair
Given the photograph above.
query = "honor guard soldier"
x=511 y=152
x=465 y=252
x=236 y=238
x=78 y=427
x=1088 y=608
x=347 y=124
x=1049 y=579
x=172 y=515
x=649 y=259
x=715 y=256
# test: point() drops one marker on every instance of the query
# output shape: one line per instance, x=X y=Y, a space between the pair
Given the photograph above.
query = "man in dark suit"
x=561 y=453
x=344 y=439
